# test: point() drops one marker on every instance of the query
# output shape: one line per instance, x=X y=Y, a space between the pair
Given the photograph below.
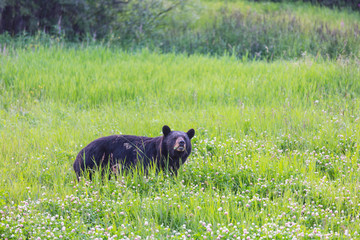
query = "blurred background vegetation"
x=256 y=29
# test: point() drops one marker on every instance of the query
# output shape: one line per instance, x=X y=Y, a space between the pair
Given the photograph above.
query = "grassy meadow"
x=275 y=154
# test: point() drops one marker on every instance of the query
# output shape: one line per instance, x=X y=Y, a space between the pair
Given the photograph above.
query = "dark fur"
x=126 y=150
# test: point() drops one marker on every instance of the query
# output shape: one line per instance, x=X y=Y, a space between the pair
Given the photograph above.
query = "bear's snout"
x=180 y=144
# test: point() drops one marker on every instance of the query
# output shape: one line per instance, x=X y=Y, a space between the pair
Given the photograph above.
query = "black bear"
x=116 y=152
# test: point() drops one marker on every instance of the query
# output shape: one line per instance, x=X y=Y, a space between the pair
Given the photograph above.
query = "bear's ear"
x=191 y=133
x=166 y=130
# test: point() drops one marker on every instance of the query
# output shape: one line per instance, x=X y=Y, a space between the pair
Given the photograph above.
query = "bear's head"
x=177 y=144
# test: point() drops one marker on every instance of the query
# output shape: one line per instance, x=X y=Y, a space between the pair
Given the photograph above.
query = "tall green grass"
x=265 y=31
x=261 y=30
x=111 y=76
x=276 y=151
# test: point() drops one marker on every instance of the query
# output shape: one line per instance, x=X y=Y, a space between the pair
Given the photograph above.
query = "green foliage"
x=141 y=21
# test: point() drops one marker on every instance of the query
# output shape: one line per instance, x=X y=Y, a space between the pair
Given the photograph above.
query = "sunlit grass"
x=276 y=151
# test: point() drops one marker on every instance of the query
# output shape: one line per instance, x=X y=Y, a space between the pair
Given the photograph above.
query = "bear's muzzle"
x=180 y=145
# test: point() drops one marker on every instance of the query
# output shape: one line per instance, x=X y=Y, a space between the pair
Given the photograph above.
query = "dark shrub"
x=96 y=18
